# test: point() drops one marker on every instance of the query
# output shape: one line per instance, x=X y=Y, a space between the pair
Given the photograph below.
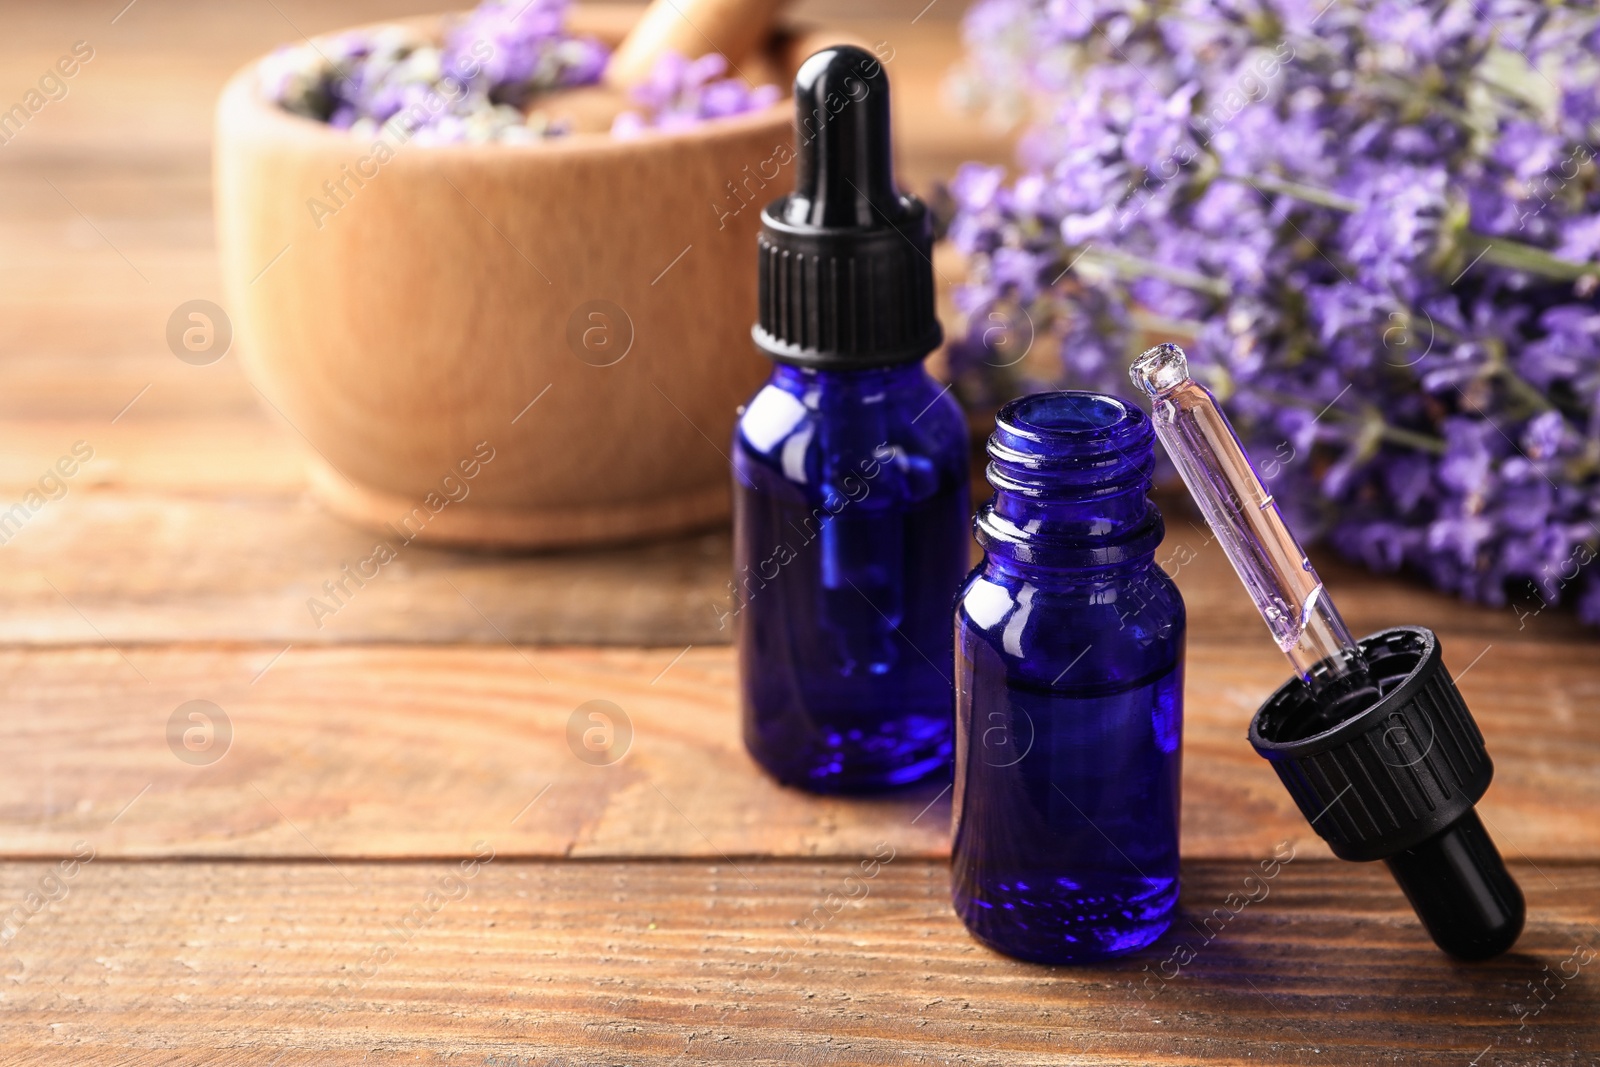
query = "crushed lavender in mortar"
x=483 y=82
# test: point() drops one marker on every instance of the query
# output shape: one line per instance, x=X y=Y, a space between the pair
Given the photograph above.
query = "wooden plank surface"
x=403 y=751
x=756 y=962
x=193 y=534
x=154 y=568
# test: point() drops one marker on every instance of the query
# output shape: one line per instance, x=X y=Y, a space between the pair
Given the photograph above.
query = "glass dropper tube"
x=1245 y=518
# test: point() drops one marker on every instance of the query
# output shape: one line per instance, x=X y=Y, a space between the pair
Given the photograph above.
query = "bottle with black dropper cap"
x=850 y=464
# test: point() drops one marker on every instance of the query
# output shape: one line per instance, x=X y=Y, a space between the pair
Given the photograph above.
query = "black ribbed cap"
x=846 y=267
x=1395 y=773
x=1397 y=779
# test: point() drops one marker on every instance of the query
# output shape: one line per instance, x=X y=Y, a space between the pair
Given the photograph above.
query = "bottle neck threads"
x=1071 y=473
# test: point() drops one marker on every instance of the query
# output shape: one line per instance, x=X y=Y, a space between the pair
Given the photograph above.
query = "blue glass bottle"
x=850 y=520
x=1069 y=691
x=850 y=465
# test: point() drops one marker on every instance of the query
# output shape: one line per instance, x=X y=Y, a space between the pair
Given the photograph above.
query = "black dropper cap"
x=846 y=269
x=1398 y=780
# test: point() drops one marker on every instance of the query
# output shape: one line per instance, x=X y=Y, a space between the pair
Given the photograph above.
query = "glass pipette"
x=1245 y=518
x=1340 y=735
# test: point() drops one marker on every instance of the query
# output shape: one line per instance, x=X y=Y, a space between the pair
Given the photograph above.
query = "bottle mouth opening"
x=1068 y=415
x=1073 y=445
x=1072 y=428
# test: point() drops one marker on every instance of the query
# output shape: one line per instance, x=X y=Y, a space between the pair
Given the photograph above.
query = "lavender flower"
x=470 y=89
x=520 y=47
x=478 y=85
x=682 y=93
x=1375 y=224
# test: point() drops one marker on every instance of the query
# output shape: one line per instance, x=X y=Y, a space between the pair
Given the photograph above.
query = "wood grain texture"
x=199 y=529
x=754 y=962
x=417 y=751
x=152 y=568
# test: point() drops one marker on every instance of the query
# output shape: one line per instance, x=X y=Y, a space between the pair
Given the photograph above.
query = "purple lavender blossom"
x=470 y=89
x=516 y=48
x=1376 y=226
x=477 y=85
x=681 y=93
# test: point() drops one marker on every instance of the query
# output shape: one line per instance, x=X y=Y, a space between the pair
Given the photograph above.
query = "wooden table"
x=400 y=860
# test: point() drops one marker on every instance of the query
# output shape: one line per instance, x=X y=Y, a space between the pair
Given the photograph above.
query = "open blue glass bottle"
x=1069 y=691
x=850 y=465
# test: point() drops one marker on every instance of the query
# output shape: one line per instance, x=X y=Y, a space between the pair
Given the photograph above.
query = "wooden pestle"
x=692 y=28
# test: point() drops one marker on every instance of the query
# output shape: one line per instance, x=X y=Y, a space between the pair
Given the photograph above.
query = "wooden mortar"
x=582 y=306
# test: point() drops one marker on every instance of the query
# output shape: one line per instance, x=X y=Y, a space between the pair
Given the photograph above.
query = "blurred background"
x=191 y=520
